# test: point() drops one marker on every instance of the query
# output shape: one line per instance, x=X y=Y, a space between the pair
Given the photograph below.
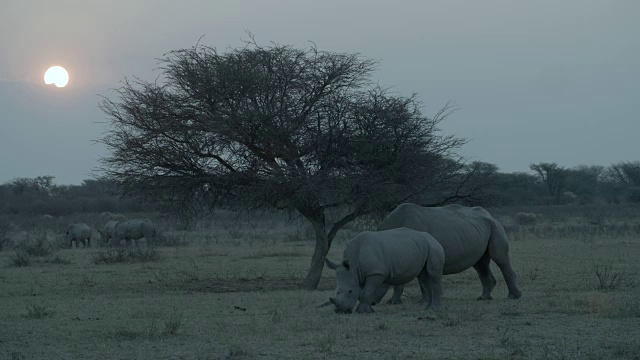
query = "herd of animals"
x=114 y=231
x=411 y=242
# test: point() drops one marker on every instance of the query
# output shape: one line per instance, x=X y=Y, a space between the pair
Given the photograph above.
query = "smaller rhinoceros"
x=79 y=232
x=108 y=231
x=135 y=229
x=389 y=257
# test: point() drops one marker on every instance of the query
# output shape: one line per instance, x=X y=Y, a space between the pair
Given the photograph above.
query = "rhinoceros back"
x=463 y=232
x=135 y=229
x=397 y=254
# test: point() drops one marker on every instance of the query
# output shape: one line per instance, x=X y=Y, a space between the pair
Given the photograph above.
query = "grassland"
x=230 y=289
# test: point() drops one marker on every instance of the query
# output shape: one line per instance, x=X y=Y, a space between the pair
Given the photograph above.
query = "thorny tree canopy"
x=275 y=126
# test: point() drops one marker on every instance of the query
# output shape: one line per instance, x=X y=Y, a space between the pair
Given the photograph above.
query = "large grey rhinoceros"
x=79 y=232
x=108 y=231
x=392 y=257
x=135 y=229
x=470 y=236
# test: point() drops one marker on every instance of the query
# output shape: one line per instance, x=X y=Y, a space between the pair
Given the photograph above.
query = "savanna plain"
x=230 y=288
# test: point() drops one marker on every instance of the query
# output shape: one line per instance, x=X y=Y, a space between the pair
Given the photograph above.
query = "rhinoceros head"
x=347 y=289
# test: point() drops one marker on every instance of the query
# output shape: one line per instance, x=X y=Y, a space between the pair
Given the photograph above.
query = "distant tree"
x=39 y=195
x=478 y=181
x=622 y=180
x=625 y=173
x=585 y=181
x=552 y=176
x=633 y=194
x=292 y=129
x=518 y=188
x=42 y=185
x=19 y=185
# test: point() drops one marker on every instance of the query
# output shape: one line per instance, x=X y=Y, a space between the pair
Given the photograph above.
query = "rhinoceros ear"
x=330 y=264
x=345 y=263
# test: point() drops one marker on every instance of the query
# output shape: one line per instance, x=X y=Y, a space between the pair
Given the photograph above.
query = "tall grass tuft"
x=172 y=324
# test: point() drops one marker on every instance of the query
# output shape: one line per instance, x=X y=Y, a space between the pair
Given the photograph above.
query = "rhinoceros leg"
x=486 y=277
x=509 y=278
x=396 y=299
x=430 y=280
x=499 y=252
x=371 y=285
x=432 y=293
x=379 y=294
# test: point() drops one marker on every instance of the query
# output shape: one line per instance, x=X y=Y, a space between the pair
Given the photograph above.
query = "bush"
x=20 y=259
x=146 y=254
x=523 y=218
x=632 y=194
x=111 y=256
x=121 y=255
x=172 y=240
x=38 y=246
x=5 y=228
x=606 y=278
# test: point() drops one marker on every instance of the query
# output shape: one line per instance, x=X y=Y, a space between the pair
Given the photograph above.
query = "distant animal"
x=47 y=217
x=79 y=232
x=470 y=236
x=134 y=229
x=107 y=231
x=381 y=258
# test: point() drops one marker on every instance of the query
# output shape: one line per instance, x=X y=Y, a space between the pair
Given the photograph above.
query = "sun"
x=56 y=75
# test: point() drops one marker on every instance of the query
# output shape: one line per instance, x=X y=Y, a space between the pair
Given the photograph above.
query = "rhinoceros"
x=107 y=232
x=135 y=229
x=470 y=236
x=392 y=257
x=79 y=232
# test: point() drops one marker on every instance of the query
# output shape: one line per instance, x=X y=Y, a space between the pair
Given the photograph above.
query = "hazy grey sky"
x=536 y=80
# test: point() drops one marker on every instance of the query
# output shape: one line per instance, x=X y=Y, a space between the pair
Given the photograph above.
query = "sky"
x=535 y=81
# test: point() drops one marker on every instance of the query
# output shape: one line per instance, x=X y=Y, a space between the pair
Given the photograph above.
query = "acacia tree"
x=279 y=127
x=552 y=176
x=625 y=173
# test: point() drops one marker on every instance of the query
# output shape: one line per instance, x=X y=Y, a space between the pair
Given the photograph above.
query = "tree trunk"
x=312 y=279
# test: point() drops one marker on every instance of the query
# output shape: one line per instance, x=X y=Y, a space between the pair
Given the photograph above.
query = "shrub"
x=606 y=278
x=523 y=218
x=632 y=194
x=59 y=261
x=111 y=256
x=38 y=246
x=122 y=255
x=20 y=259
x=146 y=254
x=5 y=228
x=173 y=240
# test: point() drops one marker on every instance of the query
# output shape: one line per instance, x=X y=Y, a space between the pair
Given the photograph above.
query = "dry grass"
x=220 y=294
